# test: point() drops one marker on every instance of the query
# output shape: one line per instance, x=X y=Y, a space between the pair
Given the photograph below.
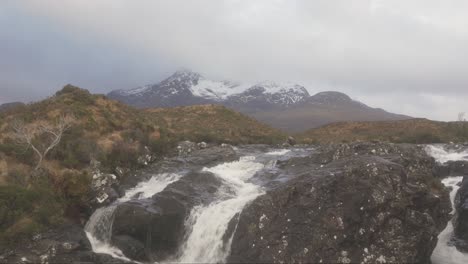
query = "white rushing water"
x=99 y=230
x=207 y=225
x=444 y=253
x=442 y=155
x=278 y=152
x=151 y=187
x=99 y=226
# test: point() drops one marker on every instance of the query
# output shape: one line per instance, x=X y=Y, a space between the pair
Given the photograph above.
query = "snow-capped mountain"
x=187 y=87
x=286 y=106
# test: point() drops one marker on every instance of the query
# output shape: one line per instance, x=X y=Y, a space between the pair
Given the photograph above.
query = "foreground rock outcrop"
x=152 y=229
x=348 y=203
x=353 y=203
x=460 y=221
x=66 y=244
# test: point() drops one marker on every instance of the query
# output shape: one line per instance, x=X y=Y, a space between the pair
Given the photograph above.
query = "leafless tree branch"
x=25 y=134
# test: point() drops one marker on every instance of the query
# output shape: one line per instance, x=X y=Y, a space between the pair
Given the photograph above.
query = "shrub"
x=421 y=138
x=22 y=154
x=122 y=155
x=24 y=211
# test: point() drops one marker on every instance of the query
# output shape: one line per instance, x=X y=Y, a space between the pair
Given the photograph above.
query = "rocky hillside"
x=286 y=106
x=52 y=151
x=408 y=131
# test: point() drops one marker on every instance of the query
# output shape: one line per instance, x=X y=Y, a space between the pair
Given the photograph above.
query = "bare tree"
x=51 y=134
x=461 y=117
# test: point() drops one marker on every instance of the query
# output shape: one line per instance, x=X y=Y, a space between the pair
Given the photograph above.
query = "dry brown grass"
x=410 y=131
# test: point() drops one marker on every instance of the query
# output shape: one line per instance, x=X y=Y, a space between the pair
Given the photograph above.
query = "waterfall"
x=207 y=225
x=445 y=253
x=99 y=226
x=99 y=231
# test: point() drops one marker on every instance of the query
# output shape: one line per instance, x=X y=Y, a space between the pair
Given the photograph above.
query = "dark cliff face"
x=354 y=203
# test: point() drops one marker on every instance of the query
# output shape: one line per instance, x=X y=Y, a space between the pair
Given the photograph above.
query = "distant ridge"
x=9 y=106
x=286 y=106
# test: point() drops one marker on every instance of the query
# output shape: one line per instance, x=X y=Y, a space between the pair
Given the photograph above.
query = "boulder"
x=153 y=229
x=460 y=220
x=291 y=141
x=352 y=203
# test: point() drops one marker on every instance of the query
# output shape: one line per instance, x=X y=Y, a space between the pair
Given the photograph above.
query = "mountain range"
x=285 y=106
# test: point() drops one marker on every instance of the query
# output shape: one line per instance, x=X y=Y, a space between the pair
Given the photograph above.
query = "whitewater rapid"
x=442 y=155
x=445 y=252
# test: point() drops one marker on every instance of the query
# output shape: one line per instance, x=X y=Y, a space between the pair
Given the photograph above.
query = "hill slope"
x=285 y=106
x=321 y=109
x=407 y=131
x=103 y=134
x=213 y=123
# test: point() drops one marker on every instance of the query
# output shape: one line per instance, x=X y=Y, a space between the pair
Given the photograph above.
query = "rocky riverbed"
x=360 y=202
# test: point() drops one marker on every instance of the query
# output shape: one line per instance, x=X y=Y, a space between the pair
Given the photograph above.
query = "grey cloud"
x=407 y=56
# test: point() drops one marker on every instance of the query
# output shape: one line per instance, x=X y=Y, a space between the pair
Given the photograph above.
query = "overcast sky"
x=406 y=56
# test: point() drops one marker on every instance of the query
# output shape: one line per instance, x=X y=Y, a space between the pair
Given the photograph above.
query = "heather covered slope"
x=104 y=136
x=418 y=131
x=213 y=123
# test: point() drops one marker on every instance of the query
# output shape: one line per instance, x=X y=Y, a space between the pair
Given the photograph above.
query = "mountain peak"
x=185 y=74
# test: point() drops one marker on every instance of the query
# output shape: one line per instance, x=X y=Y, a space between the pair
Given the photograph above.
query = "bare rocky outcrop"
x=460 y=221
x=353 y=203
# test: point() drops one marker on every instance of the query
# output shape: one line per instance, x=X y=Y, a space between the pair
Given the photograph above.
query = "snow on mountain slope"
x=268 y=92
x=193 y=84
x=139 y=91
x=217 y=90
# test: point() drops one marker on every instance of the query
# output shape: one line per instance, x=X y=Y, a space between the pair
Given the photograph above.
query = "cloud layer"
x=407 y=56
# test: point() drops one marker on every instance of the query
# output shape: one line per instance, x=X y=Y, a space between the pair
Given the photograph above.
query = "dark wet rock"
x=156 y=225
x=66 y=244
x=212 y=156
x=452 y=168
x=158 y=222
x=130 y=247
x=352 y=203
x=460 y=221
